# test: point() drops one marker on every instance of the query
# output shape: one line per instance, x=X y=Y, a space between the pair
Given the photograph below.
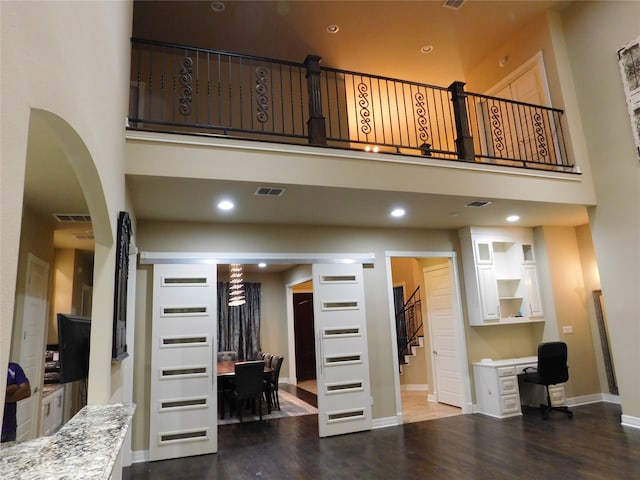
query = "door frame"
x=467 y=404
x=293 y=374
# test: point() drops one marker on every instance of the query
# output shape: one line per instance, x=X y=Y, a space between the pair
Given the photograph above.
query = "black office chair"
x=248 y=385
x=552 y=369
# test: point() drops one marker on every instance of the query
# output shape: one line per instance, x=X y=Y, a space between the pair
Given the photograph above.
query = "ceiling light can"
x=333 y=28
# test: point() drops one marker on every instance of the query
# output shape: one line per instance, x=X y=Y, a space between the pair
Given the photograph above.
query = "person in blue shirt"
x=18 y=388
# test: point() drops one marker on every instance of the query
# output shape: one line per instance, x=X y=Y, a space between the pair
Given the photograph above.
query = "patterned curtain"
x=239 y=327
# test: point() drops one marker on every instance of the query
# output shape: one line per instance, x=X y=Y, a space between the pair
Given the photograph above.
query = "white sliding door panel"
x=344 y=398
x=183 y=418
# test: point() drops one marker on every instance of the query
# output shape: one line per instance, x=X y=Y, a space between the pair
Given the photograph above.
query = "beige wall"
x=571 y=300
x=174 y=237
x=593 y=32
x=85 y=108
x=496 y=342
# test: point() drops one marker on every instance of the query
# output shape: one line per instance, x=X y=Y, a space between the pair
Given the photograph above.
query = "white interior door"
x=442 y=315
x=344 y=398
x=34 y=321
x=183 y=405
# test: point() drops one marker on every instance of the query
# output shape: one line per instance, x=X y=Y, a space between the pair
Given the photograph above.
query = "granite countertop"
x=85 y=448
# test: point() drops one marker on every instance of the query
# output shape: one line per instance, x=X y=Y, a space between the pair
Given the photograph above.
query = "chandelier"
x=236 y=287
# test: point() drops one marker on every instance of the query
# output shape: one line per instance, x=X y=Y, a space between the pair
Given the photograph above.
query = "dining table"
x=226 y=370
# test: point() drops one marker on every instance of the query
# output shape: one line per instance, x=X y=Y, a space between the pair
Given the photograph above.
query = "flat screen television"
x=74 y=334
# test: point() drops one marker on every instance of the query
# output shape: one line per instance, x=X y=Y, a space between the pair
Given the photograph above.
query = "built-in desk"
x=498 y=393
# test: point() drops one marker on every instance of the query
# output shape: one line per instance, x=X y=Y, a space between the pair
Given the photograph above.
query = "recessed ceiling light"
x=426 y=49
x=333 y=28
x=398 y=212
x=262 y=265
x=226 y=205
x=217 y=7
x=513 y=218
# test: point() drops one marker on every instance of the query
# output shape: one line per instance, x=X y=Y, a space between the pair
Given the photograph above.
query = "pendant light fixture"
x=236 y=287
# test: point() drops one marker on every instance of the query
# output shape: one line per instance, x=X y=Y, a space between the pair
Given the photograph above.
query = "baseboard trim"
x=584 y=400
x=386 y=422
x=629 y=421
x=140 y=456
x=414 y=386
x=593 y=398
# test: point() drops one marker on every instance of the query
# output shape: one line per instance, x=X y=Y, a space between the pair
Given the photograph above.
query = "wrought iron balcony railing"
x=183 y=89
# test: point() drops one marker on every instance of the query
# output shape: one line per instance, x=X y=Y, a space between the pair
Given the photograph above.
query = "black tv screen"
x=74 y=335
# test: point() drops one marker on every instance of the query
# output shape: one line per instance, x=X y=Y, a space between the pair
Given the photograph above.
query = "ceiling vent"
x=72 y=217
x=454 y=4
x=270 y=191
x=477 y=203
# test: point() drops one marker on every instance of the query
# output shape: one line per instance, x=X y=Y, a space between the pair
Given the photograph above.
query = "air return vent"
x=477 y=203
x=454 y=4
x=72 y=217
x=270 y=191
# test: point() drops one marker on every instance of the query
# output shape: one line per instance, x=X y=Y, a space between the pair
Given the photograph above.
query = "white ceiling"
x=381 y=37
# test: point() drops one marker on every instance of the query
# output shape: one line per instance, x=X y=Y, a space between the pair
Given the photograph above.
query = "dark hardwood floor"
x=591 y=446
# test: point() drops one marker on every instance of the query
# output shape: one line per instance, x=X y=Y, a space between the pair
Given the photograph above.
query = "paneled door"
x=442 y=315
x=344 y=398
x=183 y=405
x=34 y=320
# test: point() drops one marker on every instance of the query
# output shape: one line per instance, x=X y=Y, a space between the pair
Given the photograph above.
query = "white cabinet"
x=51 y=411
x=500 y=276
x=498 y=393
x=488 y=289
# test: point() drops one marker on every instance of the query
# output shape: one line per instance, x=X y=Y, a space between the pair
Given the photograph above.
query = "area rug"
x=290 y=406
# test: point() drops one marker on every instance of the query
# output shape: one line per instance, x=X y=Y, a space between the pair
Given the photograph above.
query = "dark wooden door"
x=304 y=336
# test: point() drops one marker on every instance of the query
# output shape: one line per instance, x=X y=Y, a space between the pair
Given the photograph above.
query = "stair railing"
x=408 y=324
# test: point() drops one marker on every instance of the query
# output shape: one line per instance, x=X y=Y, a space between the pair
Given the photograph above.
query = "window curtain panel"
x=239 y=327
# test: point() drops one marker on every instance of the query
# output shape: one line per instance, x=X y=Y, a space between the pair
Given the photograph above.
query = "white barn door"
x=344 y=398
x=183 y=405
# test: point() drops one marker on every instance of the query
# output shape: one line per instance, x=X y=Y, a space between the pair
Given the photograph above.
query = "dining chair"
x=248 y=385
x=226 y=356
x=273 y=380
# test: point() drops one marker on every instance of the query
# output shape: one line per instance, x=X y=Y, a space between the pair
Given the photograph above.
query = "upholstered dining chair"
x=276 y=364
x=552 y=369
x=248 y=385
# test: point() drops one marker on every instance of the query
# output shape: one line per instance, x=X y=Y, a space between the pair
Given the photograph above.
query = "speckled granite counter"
x=85 y=448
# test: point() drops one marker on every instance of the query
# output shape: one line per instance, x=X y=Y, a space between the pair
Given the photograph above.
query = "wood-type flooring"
x=593 y=445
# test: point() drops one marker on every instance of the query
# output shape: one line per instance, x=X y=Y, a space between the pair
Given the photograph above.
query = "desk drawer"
x=506 y=371
x=508 y=385
x=509 y=404
x=556 y=392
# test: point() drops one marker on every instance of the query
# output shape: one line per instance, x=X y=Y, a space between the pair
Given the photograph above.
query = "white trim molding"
x=254 y=257
x=629 y=421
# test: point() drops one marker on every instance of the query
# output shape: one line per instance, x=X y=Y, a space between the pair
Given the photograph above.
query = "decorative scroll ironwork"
x=421 y=117
x=186 y=88
x=363 y=103
x=262 y=99
x=496 y=128
x=541 y=138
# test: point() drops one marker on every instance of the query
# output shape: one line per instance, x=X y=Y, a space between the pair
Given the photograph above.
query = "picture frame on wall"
x=629 y=62
x=123 y=238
